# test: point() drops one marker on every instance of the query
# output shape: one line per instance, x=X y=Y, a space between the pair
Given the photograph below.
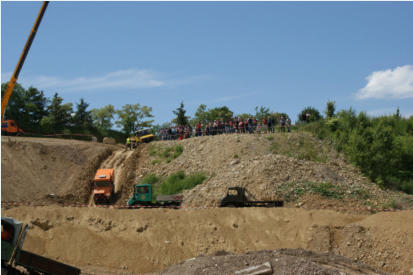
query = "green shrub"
x=381 y=147
x=326 y=190
x=150 y=179
x=178 y=182
x=167 y=153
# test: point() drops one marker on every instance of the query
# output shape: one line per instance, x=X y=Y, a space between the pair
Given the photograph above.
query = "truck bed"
x=39 y=263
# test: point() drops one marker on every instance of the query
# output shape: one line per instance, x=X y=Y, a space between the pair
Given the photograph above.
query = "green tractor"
x=142 y=196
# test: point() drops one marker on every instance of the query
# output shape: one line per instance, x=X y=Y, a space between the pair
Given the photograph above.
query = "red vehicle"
x=9 y=127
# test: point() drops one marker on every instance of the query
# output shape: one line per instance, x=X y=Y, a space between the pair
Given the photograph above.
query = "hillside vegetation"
x=381 y=147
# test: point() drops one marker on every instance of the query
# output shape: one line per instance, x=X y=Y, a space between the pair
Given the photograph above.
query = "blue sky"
x=282 y=55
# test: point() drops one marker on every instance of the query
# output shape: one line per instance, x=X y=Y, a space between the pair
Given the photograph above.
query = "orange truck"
x=103 y=186
x=9 y=127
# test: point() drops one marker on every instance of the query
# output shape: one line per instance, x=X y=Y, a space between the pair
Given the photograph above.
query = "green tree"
x=26 y=107
x=102 y=117
x=330 y=109
x=220 y=113
x=35 y=106
x=181 y=119
x=244 y=116
x=261 y=113
x=132 y=117
x=201 y=115
x=15 y=107
x=309 y=114
x=82 y=118
x=60 y=115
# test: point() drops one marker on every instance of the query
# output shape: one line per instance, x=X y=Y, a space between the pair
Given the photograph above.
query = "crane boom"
x=19 y=66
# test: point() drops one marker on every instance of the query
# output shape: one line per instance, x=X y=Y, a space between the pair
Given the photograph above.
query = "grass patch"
x=236 y=156
x=270 y=138
x=300 y=147
x=168 y=153
x=360 y=194
x=156 y=161
x=292 y=191
x=176 y=183
x=150 y=179
x=152 y=150
x=326 y=190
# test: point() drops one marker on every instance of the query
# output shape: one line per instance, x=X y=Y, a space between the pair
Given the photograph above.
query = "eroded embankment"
x=35 y=168
x=150 y=240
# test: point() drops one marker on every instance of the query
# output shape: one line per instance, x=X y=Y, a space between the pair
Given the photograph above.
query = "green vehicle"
x=13 y=234
x=142 y=196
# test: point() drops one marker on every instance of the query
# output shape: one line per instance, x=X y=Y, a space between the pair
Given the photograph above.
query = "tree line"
x=37 y=114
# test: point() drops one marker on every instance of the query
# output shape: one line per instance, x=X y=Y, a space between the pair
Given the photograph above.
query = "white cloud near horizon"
x=396 y=84
x=122 y=79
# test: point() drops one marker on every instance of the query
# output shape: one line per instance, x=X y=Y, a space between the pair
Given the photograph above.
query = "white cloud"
x=123 y=79
x=396 y=83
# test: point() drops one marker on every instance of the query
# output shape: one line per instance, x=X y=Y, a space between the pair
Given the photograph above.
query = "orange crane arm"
x=19 y=66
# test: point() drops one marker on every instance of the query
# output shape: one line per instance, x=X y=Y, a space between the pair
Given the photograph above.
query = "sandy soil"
x=142 y=241
x=33 y=168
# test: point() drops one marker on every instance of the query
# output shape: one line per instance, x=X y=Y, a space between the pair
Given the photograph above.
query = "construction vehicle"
x=142 y=196
x=141 y=136
x=236 y=197
x=103 y=186
x=10 y=127
x=13 y=234
x=15 y=75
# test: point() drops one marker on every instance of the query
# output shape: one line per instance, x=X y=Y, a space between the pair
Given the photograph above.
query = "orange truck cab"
x=103 y=186
x=9 y=127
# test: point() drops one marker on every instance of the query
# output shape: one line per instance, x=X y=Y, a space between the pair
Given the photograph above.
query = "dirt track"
x=142 y=241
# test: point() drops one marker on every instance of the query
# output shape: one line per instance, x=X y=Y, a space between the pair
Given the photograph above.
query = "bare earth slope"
x=141 y=241
x=33 y=168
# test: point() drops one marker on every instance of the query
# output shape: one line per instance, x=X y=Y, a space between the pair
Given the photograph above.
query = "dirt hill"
x=294 y=167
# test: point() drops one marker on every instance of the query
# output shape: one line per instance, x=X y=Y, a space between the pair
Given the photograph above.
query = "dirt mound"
x=295 y=167
x=34 y=168
x=139 y=241
x=284 y=261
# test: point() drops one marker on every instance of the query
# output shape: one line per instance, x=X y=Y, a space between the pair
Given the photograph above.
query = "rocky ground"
x=301 y=171
x=283 y=261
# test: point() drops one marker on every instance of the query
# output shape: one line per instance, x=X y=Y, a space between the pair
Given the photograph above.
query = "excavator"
x=13 y=232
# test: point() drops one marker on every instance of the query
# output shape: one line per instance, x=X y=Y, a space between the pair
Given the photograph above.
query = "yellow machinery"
x=19 y=66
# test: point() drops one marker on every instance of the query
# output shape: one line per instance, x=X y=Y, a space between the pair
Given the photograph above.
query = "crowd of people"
x=234 y=125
